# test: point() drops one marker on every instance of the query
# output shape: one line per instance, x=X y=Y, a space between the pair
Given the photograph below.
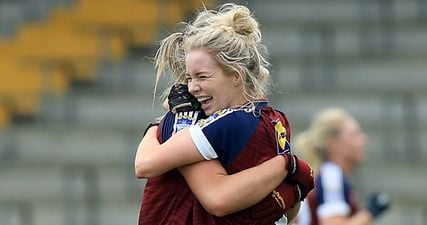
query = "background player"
x=334 y=143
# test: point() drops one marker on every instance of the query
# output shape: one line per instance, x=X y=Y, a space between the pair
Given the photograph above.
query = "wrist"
x=290 y=165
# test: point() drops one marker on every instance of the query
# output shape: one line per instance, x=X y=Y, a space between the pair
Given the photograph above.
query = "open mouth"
x=205 y=100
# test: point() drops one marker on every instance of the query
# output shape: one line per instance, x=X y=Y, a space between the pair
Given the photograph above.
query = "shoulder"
x=228 y=118
x=331 y=176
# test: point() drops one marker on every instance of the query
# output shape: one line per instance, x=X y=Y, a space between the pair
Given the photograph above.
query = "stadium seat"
x=63 y=19
x=4 y=116
x=23 y=86
x=45 y=57
x=79 y=53
x=135 y=21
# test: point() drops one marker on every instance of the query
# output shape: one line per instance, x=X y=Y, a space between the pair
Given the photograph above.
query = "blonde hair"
x=234 y=38
x=170 y=57
x=232 y=35
x=304 y=149
x=327 y=124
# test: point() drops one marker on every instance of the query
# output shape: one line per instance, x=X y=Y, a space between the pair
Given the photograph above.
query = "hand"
x=300 y=173
x=181 y=100
x=378 y=203
x=272 y=207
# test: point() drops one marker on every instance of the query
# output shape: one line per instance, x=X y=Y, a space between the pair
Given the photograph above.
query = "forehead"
x=350 y=125
x=200 y=60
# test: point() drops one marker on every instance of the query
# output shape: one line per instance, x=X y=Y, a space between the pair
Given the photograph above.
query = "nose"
x=193 y=86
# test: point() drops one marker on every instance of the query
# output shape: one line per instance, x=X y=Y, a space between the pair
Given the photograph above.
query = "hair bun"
x=243 y=23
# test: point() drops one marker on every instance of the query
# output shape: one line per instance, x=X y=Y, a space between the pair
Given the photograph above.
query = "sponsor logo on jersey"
x=283 y=145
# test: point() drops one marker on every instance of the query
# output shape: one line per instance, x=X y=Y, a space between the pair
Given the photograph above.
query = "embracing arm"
x=222 y=194
x=153 y=159
x=362 y=217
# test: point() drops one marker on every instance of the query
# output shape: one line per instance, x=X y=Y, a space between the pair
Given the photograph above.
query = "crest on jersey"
x=184 y=119
x=283 y=145
x=213 y=117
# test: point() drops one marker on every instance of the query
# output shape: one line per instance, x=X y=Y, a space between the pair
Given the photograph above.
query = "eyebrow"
x=198 y=74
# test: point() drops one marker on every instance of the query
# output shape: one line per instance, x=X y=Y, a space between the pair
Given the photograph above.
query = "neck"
x=242 y=101
x=346 y=167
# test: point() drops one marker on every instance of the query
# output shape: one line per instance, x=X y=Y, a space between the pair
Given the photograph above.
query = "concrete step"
x=367 y=108
x=332 y=11
x=345 y=42
x=115 y=110
x=386 y=75
x=404 y=181
x=403 y=213
x=67 y=145
x=47 y=183
x=104 y=109
x=57 y=213
x=392 y=127
x=135 y=73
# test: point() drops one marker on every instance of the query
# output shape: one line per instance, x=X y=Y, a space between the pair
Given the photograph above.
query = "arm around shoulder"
x=222 y=194
x=154 y=159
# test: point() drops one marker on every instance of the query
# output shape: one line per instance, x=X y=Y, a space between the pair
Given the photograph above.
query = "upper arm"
x=202 y=178
x=153 y=159
x=222 y=194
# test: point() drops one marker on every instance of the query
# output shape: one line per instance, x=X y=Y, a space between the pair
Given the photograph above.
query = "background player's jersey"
x=333 y=196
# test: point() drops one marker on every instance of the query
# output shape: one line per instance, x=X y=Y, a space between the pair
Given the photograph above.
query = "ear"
x=237 y=79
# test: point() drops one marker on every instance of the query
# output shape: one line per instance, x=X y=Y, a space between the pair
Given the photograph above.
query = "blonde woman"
x=242 y=135
x=334 y=145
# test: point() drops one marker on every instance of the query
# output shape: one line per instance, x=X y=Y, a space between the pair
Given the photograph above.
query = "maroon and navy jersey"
x=243 y=138
x=240 y=139
x=167 y=199
x=332 y=196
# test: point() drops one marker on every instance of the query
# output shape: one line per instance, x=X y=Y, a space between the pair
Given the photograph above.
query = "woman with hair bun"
x=222 y=124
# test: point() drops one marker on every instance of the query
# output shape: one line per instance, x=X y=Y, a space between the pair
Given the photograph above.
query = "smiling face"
x=208 y=82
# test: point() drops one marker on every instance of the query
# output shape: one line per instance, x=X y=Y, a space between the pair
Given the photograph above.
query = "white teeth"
x=203 y=99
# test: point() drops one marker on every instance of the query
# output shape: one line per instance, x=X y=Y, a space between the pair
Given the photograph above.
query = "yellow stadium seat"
x=4 y=116
x=135 y=21
x=42 y=45
x=23 y=92
x=24 y=86
x=112 y=45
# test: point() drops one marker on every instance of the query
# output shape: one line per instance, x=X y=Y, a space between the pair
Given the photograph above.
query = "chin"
x=208 y=112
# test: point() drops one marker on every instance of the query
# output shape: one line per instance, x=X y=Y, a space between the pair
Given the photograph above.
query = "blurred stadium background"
x=76 y=92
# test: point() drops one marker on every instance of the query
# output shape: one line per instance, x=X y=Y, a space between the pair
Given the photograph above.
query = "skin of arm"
x=154 y=159
x=222 y=194
x=362 y=217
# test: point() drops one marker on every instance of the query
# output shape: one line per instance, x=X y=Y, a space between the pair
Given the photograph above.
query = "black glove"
x=378 y=203
x=180 y=99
